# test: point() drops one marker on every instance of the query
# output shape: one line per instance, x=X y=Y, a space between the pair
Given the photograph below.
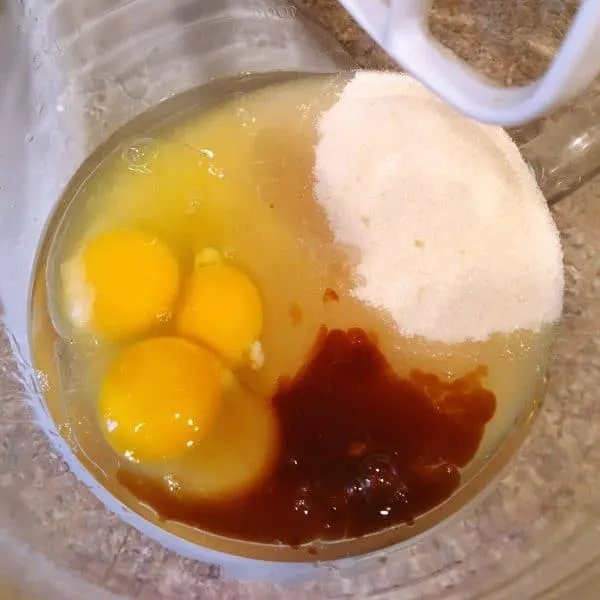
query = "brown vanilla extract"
x=361 y=449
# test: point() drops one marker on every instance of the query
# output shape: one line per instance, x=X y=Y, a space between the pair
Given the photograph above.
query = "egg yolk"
x=159 y=398
x=122 y=283
x=238 y=452
x=221 y=307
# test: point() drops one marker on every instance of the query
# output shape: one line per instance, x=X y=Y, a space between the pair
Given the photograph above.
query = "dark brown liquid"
x=362 y=449
x=330 y=295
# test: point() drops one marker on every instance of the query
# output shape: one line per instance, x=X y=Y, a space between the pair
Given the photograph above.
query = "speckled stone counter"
x=534 y=534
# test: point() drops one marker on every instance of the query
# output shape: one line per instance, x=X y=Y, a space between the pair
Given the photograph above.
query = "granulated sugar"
x=455 y=238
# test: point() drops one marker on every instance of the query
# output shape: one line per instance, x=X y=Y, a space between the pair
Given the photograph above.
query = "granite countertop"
x=540 y=523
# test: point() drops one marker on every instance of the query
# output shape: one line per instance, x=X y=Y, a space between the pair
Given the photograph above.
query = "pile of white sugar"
x=455 y=238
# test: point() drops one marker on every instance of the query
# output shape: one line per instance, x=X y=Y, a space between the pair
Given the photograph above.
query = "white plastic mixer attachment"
x=400 y=27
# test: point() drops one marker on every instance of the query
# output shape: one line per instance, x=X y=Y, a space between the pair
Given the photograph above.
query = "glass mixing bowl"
x=73 y=73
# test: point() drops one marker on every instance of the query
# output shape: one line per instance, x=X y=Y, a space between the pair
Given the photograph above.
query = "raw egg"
x=238 y=452
x=159 y=398
x=122 y=283
x=222 y=308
